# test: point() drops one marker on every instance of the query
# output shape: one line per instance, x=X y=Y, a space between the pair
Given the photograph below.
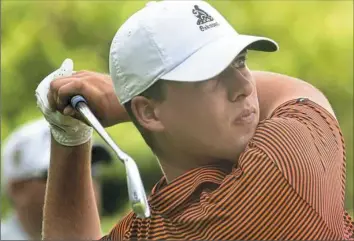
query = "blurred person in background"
x=26 y=160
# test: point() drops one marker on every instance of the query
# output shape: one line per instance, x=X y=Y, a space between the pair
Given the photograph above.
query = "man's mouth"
x=246 y=116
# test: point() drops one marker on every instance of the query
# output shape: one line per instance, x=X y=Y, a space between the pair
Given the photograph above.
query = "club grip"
x=76 y=100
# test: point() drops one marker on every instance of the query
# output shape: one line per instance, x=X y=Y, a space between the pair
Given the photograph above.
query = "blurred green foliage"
x=315 y=38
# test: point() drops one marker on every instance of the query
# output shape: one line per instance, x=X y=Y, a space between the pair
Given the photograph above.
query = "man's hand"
x=98 y=91
x=66 y=130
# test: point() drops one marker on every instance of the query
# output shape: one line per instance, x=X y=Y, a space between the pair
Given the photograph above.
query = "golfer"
x=245 y=154
x=26 y=155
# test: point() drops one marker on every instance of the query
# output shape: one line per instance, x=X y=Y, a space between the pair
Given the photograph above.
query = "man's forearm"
x=275 y=89
x=121 y=113
x=70 y=210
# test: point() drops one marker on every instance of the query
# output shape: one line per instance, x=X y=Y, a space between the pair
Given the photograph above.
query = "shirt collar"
x=170 y=198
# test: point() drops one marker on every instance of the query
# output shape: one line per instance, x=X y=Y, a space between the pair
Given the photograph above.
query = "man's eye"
x=239 y=62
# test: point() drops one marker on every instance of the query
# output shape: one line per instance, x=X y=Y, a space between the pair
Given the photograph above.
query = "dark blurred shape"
x=114 y=197
x=100 y=153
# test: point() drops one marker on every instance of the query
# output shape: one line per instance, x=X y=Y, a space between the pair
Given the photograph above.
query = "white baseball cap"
x=26 y=152
x=175 y=40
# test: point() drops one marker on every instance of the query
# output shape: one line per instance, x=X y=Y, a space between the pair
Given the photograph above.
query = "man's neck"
x=171 y=172
x=174 y=165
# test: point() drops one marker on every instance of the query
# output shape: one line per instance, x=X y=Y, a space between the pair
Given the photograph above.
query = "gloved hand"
x=66 y=130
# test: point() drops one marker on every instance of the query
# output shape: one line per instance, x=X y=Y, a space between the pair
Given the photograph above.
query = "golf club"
x=136 y=191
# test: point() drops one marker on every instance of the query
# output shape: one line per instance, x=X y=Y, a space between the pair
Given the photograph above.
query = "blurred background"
x=315 y=38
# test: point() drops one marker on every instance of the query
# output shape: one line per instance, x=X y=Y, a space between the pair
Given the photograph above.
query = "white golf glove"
x=66 y=130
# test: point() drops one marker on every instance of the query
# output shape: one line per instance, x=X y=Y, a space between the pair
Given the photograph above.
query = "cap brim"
x=213 y=58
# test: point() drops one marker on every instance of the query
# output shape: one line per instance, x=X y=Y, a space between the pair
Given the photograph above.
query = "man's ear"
x=147 y=113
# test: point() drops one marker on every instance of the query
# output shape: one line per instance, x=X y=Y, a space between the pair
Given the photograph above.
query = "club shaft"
x=136 y=191
x=92 y=120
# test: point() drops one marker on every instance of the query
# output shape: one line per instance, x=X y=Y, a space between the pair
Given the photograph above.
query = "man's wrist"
x=71 y=137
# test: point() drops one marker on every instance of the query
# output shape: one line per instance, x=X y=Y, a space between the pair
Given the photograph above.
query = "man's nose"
x=239 y=87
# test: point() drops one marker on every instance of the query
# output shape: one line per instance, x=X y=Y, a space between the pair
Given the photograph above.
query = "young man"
x=245 y=154
x=26 y=156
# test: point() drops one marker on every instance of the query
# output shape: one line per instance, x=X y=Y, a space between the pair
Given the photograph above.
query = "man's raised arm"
x=275 y=89
x=70 y=210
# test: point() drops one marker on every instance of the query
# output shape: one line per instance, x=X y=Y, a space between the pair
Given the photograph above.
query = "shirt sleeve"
x=260 y=204
x=305 y=143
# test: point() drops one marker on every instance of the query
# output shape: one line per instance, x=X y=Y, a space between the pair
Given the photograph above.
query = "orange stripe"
x=241 y=204
x=225 y=204
x=286 y=220
x=257 y=211
x=275 y=207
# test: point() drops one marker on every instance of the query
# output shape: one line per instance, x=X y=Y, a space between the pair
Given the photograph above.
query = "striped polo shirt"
x=288 y=184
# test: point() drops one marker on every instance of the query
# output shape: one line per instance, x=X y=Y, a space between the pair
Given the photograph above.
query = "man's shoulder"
x=305 y=143
x=299 y=125
x=300 y=134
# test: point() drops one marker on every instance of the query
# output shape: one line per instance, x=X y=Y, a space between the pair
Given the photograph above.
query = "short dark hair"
x=155 y=92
